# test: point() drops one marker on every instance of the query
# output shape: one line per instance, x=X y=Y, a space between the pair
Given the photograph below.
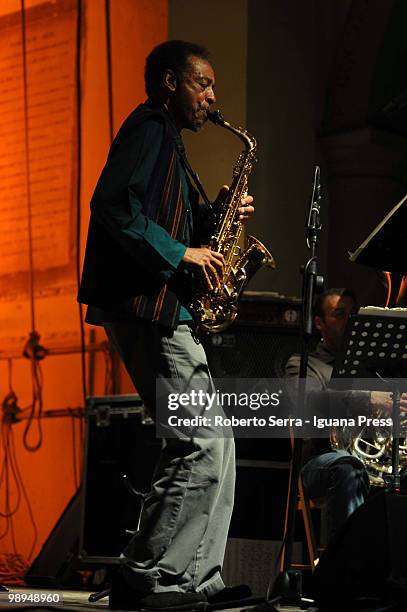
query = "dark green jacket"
x=144 y=213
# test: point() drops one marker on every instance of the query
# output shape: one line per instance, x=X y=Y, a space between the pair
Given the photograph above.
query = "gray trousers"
x=185 y=519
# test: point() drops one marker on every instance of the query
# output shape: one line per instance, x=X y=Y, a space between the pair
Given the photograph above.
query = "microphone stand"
x=286 y=587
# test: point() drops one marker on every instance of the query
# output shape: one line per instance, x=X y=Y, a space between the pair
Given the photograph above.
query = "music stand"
x=384 y=248
x=375 y=348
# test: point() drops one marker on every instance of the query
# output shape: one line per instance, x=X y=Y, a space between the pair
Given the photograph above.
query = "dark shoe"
x=236 y=593
x=123 y=597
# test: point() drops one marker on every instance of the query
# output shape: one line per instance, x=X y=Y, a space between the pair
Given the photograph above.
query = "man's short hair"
x=320 y=300
x=173 y=55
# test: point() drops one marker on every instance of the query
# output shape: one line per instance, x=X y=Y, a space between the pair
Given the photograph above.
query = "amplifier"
x=120 y=454
x=259 y=343
x=269 y=309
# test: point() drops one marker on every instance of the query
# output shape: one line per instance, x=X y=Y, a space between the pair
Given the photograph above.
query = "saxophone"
x=216 y=309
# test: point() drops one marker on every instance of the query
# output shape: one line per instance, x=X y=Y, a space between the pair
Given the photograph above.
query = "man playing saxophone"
x=143 y=251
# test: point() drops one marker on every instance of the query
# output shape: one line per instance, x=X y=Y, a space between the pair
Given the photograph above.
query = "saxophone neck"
x=249 y=140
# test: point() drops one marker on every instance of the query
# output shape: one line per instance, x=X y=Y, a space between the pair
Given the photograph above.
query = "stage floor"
x=77 y=601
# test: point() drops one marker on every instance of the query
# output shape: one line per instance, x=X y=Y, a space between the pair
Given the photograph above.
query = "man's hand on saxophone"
x=209 y=262
x=245 y=211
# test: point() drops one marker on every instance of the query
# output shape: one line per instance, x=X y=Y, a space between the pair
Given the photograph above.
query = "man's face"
x=332 y=325
x=193 y=94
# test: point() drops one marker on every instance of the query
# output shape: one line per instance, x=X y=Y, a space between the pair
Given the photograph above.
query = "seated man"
x=335 y=475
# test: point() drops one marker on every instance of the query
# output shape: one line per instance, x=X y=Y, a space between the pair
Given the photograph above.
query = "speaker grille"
x=251 y=352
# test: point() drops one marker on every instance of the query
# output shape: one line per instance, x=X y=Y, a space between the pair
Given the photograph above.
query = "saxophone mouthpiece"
x=215 y=117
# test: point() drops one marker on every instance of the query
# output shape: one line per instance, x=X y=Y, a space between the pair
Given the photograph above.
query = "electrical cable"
x=36 y=375
x=79 y=182
x=10 y=375
x=108 y=386
x=110 y=99
x=8 y=465
x=109 y=68
x=32 y=350
x=74 y=451
x=25 y=496
x=78 y=77
x=12 y=568
x=11 y=483
x=27 y=164
x=13 y=536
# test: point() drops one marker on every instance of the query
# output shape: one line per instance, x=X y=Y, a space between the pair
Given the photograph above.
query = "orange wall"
x=48 y=473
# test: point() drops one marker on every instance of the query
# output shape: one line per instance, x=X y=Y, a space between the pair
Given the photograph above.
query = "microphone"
x=313 y=223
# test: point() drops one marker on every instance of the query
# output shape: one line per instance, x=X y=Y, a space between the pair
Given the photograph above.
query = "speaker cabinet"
x=120 y=454
x=55 y=564
x=260 y=341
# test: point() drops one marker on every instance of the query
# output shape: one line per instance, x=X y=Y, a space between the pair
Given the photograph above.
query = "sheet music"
x=383 y=312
